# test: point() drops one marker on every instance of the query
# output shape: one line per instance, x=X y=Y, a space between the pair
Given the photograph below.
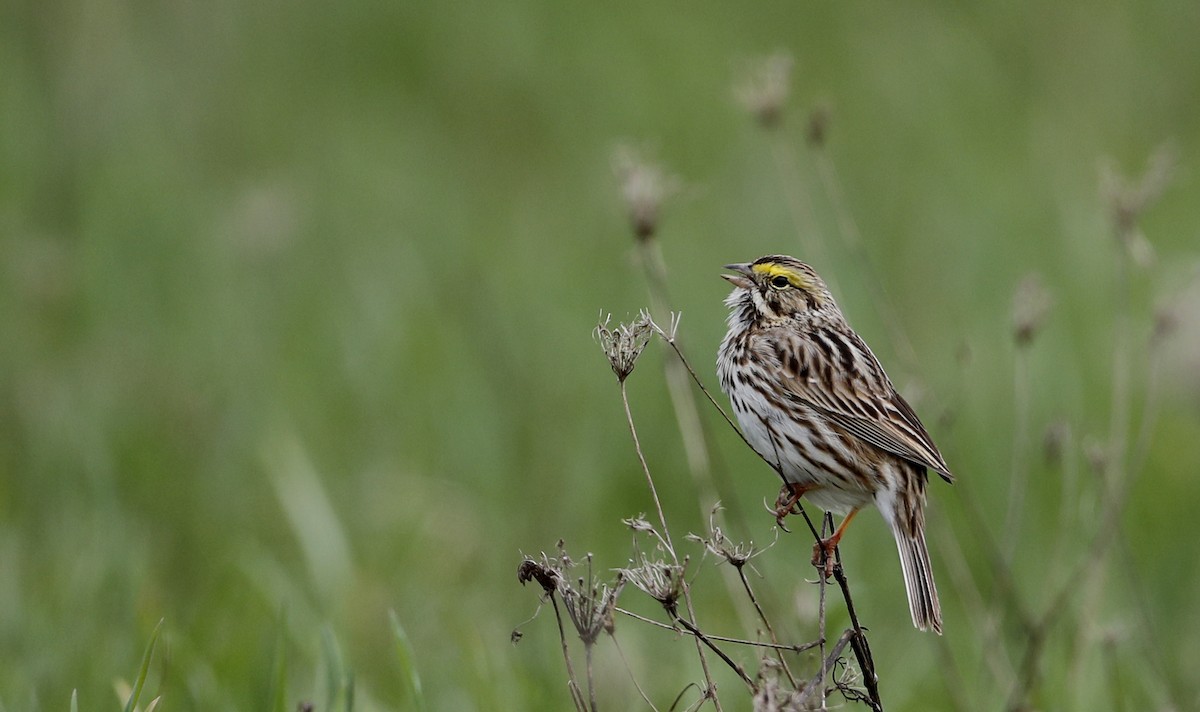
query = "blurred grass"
x=297 y=302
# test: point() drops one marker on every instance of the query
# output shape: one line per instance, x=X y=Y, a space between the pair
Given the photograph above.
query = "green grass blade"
x=74 y=700
x=145 y=669
x=334 y=673
x=279 y=676
x=408 y=664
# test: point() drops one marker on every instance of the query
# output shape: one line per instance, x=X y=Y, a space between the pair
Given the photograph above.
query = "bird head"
x=778 y=287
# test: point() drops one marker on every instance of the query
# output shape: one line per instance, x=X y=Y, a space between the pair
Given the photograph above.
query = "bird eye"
x=780 y=282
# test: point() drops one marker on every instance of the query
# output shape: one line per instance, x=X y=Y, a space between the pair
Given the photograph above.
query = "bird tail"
x=918 y=578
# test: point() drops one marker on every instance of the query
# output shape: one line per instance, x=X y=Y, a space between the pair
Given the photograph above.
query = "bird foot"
x=823 y=556
x=787 y=503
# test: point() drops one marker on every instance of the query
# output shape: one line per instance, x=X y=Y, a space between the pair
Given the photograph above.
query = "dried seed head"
x=818 y=125
x=644 y=187
x=737 y=554
x=1166 y=322
x=668 y=334
x=546 y=573
x=1097 y=455
x=661 y=581
x=764 y=86
x=639 y=524
x=1031 y=305
x=591 y=606
x=624 y=344
x=1056 y=441
x=1128 y=198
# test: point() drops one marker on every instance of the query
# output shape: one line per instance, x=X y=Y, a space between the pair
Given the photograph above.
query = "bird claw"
x=823 y=556
x=778 y=514
x=788 y=502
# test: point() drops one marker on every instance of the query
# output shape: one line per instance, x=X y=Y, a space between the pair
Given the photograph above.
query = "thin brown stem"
x=826 y=525
x=724 y=639
x=1020 y=451
x=817 y=683
x=711 y=689
x=994 y=651
x=766 y=623
x=952 y=679
x=862 y=650
x=700 y=636
x=637 y=445
x=625 y=662
x=683 y=359
x=695 y=446
x=572 y=683
x=591 y=682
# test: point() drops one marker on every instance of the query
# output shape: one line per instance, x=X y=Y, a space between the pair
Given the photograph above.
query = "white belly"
x=834 y=490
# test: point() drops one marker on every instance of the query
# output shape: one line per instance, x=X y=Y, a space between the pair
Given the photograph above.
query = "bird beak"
x=742 y=278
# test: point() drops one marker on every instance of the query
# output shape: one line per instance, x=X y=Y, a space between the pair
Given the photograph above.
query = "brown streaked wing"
x=862 y=402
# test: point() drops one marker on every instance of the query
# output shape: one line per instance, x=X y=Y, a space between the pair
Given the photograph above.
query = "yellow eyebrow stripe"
x=772 y=269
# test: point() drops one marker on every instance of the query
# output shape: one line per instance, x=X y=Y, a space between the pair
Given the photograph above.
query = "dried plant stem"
x=711 y=689
x=591 y=682
x=1001 y=571
x=637 y=445
x=952 y=679
x=858 y=641
x=767 y=624
x=1118 y=431
x=1120 y=470
x=1150 y=411
x=674 y=344
x=695 y=445
x=1020 y=452
x=700 y=636
x=683 y=401
x=1168 y=679
x=826 y=525
x=995 y=653
x=1070 y=493
x=572 y=682
x=818 y=680
x=625 y=661
x=721 y=638
x=1114 y=474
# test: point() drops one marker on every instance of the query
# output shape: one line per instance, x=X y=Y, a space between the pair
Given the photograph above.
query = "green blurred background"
x=296 y=302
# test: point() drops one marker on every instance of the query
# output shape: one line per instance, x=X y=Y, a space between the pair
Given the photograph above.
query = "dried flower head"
x=818 y=125
x=625 y=343
x=737 y=554
x=774 y=697
x=640 y=524
x=1031 y=304
x=1056 y=441
x=764 y=86
x=590 y=606
x=1128 y=198
x=661 y=581
x=547 y=573
x=644 y=187
x=668 y=334
x=1097 y=455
